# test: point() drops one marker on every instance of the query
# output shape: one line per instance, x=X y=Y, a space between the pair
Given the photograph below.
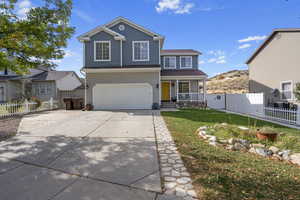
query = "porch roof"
x=183 y=72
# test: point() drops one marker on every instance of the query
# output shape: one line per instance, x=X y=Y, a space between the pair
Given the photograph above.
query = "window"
x=170 y=62
x=42 y=89
x=102 y=51
x=185 y=61
x=183 y=87
x=140 y=50
x=286 y=90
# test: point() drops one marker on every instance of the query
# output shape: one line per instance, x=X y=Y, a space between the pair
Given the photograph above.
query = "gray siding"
x=123 y=77
x=115 y=51
x=194 y=62
x=131 y=34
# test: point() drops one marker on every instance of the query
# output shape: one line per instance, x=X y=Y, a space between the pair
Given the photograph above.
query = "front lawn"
x=222 y=174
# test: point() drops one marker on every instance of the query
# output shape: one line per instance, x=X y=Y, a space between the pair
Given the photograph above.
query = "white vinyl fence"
x=289 y=116
x=253 y=104
x=12 y=109
x=249 y=103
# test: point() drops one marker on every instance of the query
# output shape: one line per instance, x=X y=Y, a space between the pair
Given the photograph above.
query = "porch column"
x=204 y=89
x=177 y=90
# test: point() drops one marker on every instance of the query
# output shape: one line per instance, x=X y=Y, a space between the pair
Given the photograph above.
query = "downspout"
x=85 y=92
x=121 y=53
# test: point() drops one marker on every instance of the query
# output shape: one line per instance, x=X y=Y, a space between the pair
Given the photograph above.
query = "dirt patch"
x=9 y=127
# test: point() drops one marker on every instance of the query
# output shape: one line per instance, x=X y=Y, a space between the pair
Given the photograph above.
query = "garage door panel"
x=123 y=96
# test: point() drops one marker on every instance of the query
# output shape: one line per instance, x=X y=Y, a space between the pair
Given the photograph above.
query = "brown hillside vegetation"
x=235 y=81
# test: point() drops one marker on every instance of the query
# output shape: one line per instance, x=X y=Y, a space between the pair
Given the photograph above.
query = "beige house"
x=274 y=68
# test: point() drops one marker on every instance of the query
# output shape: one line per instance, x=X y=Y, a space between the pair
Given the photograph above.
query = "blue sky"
x=225 y=31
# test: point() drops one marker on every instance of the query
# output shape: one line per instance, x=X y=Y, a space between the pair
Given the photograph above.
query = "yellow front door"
x=165 y=91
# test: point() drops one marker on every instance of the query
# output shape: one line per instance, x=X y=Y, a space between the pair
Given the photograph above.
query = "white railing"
x=190 y=97
x=290 y=116
x=12 y=109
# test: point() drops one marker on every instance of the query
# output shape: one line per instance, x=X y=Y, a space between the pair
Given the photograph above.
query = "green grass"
x=221 y=174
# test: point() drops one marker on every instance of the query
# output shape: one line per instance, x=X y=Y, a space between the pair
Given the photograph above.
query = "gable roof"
x=179 y=52
x=86 y=36
x=106 y=27
x=51 y=75
x=269 y=39
x=130 y=23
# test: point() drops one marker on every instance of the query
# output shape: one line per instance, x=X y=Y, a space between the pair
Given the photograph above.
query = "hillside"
x=235 y=81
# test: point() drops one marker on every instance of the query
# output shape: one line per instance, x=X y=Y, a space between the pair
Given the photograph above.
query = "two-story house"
x=126 y=68
x=274 y=68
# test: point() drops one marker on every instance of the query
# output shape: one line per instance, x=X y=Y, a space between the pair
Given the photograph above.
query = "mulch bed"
x=9 y=127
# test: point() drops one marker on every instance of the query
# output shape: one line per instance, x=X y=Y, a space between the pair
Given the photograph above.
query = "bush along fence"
x=26 y=107
x=253 y=104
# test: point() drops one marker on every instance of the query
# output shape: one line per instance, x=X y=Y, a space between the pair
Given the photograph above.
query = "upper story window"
x=286 y=90
x=170 y=62
x=185 y=62
x=140 y=50
x=102 y=51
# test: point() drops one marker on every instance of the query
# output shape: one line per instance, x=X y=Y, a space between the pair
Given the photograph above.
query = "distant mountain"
x=235 y=81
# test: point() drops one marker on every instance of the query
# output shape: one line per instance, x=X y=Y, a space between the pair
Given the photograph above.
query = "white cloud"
x=23 y=8
x=201 y=62
x=84 y=16
x=176 y=6
x=212 y=60
x=217 y=52
x=222 y=61
x=252 y=38
x=219 y=57
x=244 y=46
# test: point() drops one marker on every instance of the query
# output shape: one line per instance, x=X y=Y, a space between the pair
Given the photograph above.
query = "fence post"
x=298 y=115
x=26 y=106
x=51 y=103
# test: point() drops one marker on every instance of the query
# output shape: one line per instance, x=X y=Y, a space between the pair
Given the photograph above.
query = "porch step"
x=168 y=105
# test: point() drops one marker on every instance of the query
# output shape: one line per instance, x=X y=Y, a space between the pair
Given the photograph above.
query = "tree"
x=36 y=39
x=297 y=91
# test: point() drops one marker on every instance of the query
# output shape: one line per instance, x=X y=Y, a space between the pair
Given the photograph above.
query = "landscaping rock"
x=274 y=149
x=245 y=143
x=285 y=154
x=231 y=141
x=223 y=141
x=238 y=147
x=230 y=147
x=295 y=158
x=213 y=139
x=243 y=128
x=276 y=156
x=261 y=151
x=203 y=128
x=213 y=143
x=224 y=124
x=257 y=145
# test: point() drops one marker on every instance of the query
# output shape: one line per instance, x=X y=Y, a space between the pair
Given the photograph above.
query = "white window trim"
x=165 y=67
x=144 y=41
x=184 y=82
x=109 y=44
x=292 y=90
x=186 y=67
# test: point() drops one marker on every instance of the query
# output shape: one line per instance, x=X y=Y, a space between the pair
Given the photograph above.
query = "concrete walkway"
x=82 y=155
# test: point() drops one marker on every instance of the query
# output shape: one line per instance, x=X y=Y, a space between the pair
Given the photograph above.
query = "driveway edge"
x=176 y=179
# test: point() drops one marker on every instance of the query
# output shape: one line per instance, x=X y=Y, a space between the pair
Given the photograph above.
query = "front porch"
x=183 y=90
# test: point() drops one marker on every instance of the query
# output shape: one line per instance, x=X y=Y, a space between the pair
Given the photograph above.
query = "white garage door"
x=123 y=96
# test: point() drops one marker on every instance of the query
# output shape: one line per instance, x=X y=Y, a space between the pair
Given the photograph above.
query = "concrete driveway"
x=81 y=155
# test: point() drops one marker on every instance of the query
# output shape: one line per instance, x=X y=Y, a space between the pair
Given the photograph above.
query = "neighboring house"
x=41 y=83
x=126 y=68
x=274 y=68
